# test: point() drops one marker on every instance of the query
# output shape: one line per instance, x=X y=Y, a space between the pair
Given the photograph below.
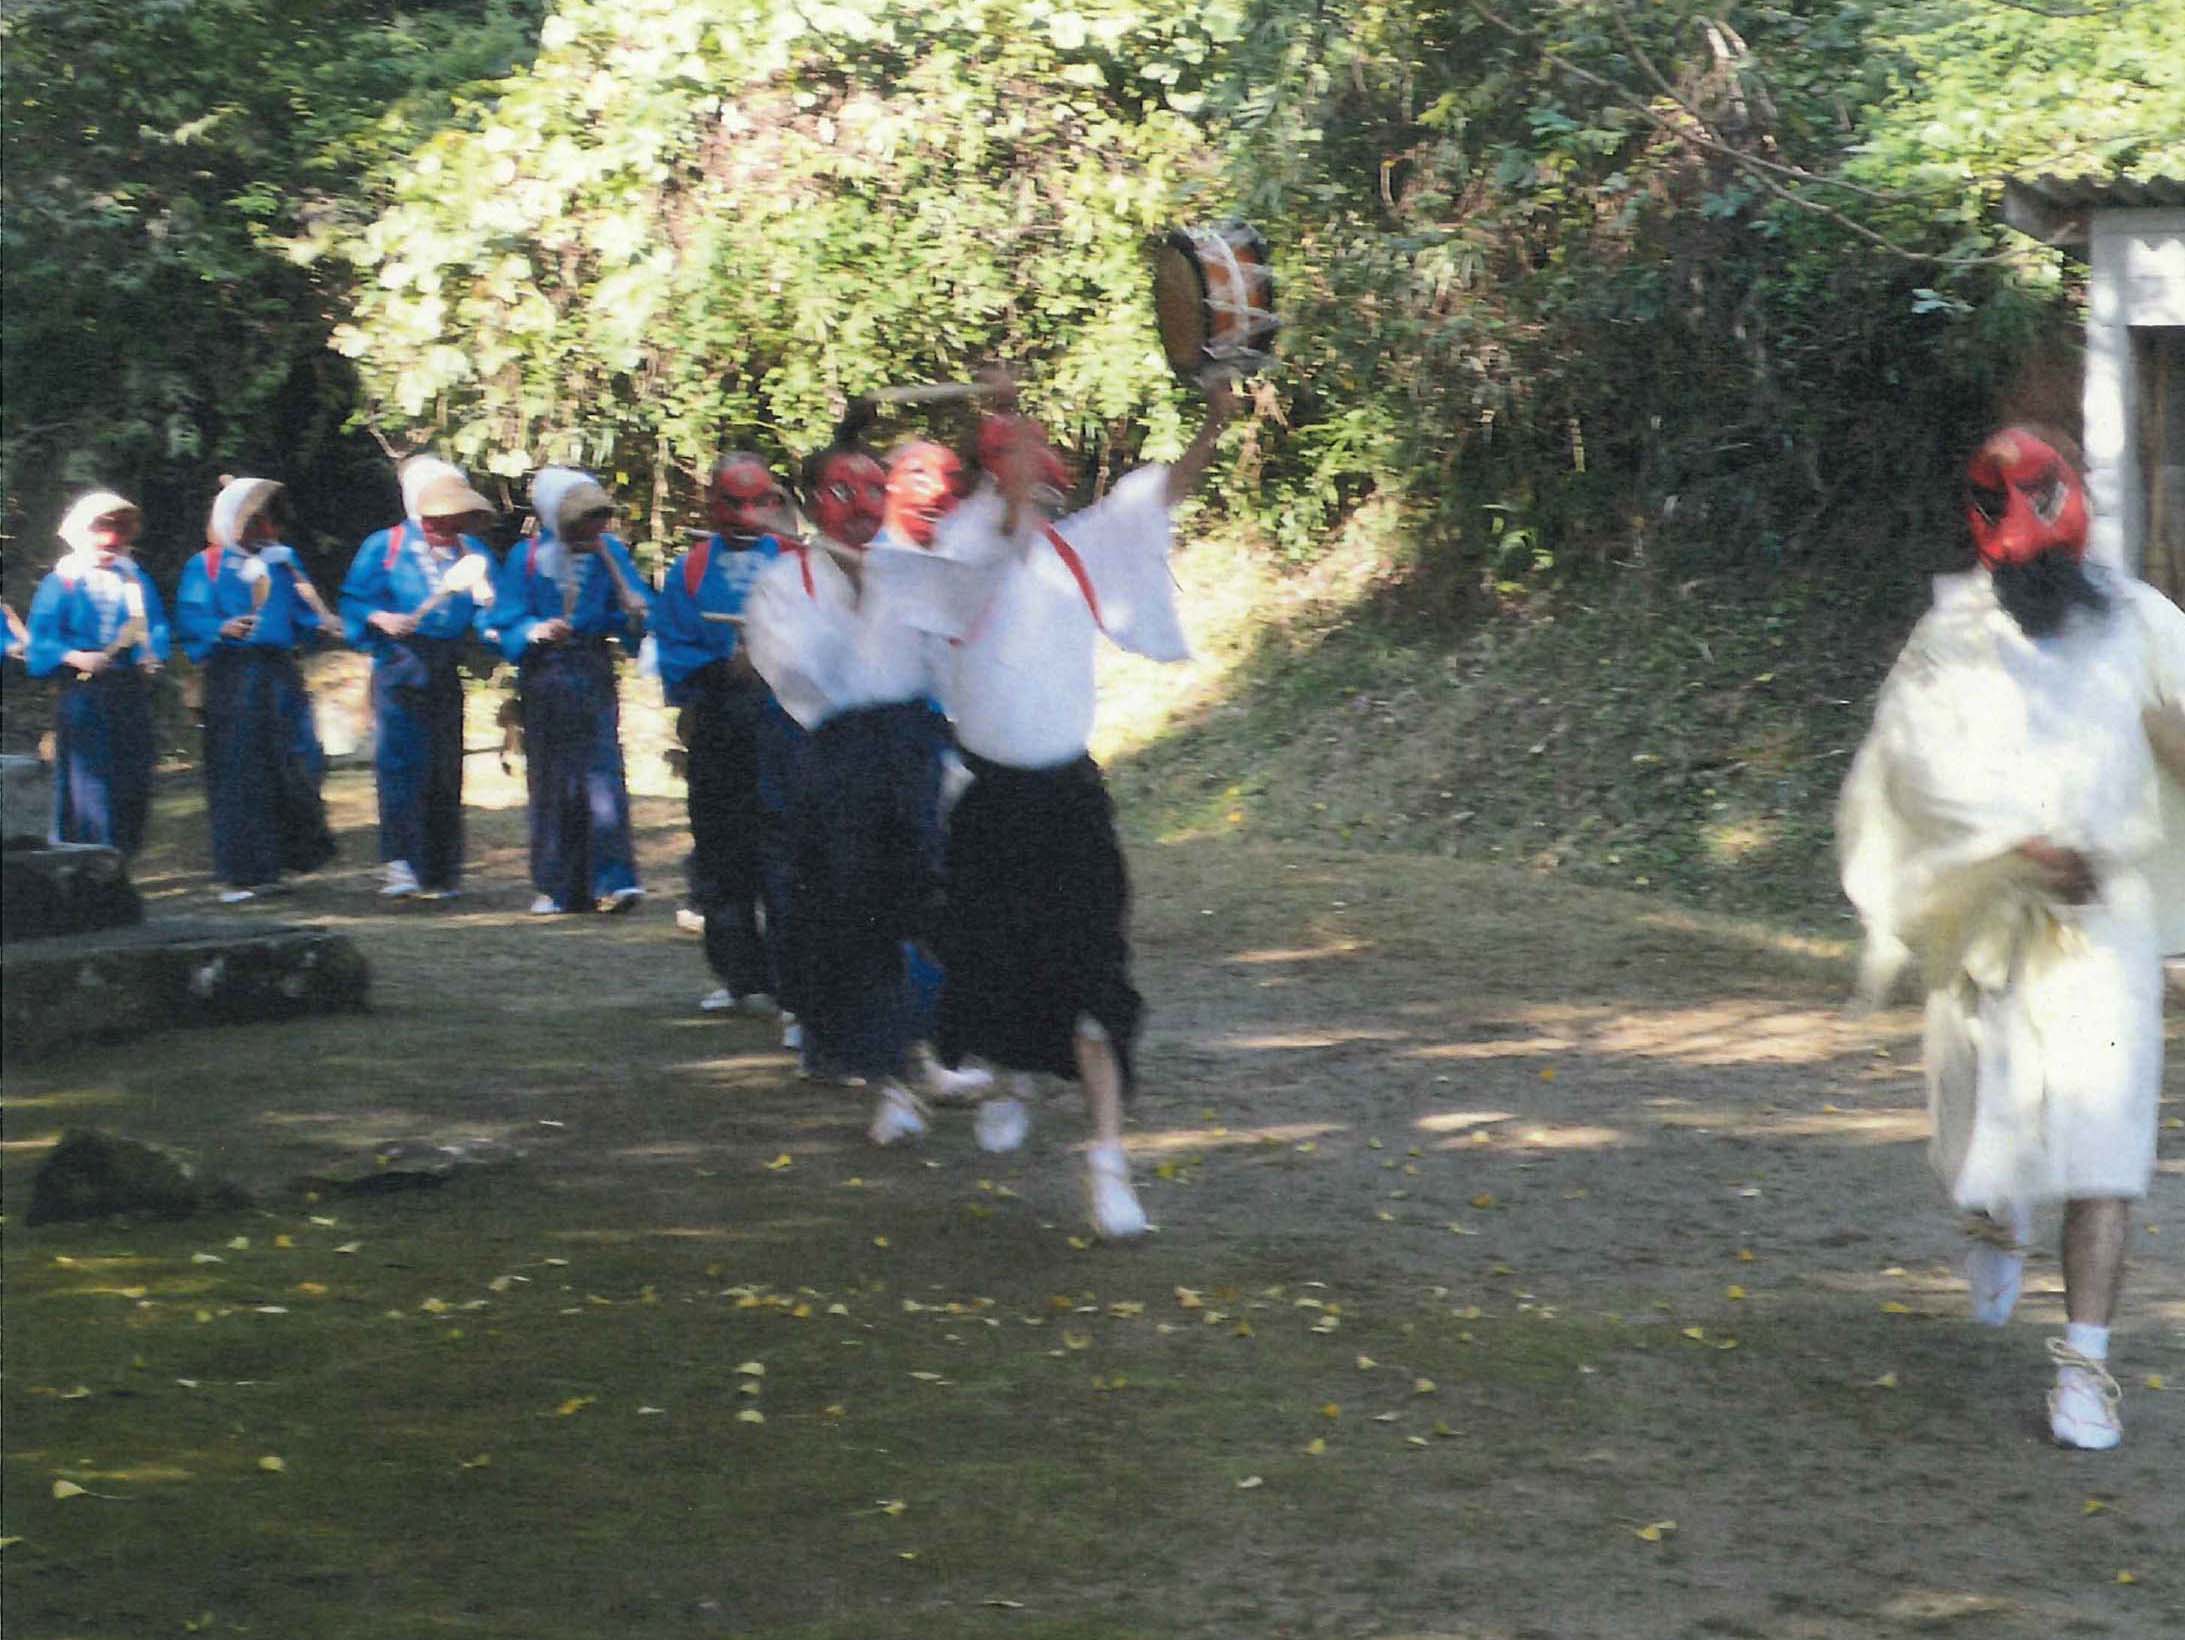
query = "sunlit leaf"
x=69 y=1489
x=272 y=1465
x=1654 y=1531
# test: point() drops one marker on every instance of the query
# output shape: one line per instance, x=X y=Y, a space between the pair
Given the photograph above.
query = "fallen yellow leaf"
x=891 y=1507
x=1892 y=1307
x=1484 y=1200
x=880 y=1241
x=1328 y=1409
x=784 y=1160
x=2155 y=1380
x=1887 y=1380
x=1076 y=1340
x=575 y=1404
x=68 y=1489
x=751 y=1415
x=2126 y=1577
x=272 y=1465
x=752 y=1369
x=1315 y=1447
x=1422 y=1386
x=1744 y=1255
x=1734 y=1293
x=1654 y=1531
x=1698 y=1334
x=2094 y=1506
x=1249 y=1481
x=484 y=1460
x=1366 y=1363
x=284 y=1241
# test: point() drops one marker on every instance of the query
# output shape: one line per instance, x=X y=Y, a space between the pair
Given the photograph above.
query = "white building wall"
x=2138 y=263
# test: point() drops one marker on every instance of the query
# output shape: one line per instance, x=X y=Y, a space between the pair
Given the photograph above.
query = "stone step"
x=51 y=889
x=167 y=974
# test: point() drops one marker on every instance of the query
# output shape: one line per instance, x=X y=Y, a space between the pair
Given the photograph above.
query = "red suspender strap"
x=396 y=534
x=804 y=563
x=1076 y=566
x=695 y=564
x=531 y=555
x=211 y=556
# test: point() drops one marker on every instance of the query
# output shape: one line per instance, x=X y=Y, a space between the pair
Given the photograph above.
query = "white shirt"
x=1020 y=682
x=824 y=649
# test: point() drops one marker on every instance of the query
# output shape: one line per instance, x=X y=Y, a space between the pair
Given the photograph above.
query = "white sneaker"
x=402 y=883
x=1116 y=1215
x=1001 y=1125
x=2084 y=1407
x=690 y=921
x=792 y=1034
x=236 y=896
x=546 y=906
x=623 y=899
x=897 y=1117
x=718 y=1001
x=946 y=1087
x=1995 y=1275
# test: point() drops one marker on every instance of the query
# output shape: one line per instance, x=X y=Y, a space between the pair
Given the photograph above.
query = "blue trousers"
x=580 y=803
x=417 y=700
x=102 y=759
x=263 y=768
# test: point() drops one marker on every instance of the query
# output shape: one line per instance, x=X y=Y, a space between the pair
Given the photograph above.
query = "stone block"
x=167 y=974
x=26 y=800
x=49 y=890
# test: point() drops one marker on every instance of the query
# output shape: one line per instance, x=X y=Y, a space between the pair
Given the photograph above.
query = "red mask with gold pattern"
x=925 y=482
x=2023 y=499
x=850 y=497
x=1004 y=438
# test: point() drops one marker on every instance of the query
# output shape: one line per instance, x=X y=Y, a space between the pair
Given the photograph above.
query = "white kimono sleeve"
x=1123 y=542
x=794 y=640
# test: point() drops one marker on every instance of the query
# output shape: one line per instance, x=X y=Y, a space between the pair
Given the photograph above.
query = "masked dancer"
x=1035 y=939
x=562 y=594
x=97 y=624
x=706 y=672
x=2014 y=822
x=243 y=611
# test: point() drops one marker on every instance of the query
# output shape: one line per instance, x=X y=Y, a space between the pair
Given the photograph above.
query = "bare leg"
x=1102 y=1074
x=2094 y=1236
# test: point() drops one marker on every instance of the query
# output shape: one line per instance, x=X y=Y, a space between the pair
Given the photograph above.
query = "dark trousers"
x=780 y=742
x=417 y=699
x=263 y=768
x=580 y=804
x=102 y=759
x=866 y=879
x=725 y=821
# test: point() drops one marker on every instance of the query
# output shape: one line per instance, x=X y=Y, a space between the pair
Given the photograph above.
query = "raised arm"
x=1189 y=469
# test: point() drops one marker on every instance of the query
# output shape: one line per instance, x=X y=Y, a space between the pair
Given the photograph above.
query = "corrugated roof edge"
x=2056 y=209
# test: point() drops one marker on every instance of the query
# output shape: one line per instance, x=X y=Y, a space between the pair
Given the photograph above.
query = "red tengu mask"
x=744 y=499
x=924 y=484
x=2023 y=499
x=1007 y=438
x=850 y=497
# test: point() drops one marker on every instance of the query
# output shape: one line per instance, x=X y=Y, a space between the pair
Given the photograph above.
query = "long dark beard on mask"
x=2041 y=593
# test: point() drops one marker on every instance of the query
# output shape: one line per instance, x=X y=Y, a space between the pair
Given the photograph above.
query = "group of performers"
x=2014 y=822
x=925 y=628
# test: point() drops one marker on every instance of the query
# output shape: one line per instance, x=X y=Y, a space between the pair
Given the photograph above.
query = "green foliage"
x=172 y=171
x=1627 y=277
x=690 y=225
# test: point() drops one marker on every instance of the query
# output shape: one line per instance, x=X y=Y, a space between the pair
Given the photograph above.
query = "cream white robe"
x=2044 y=1020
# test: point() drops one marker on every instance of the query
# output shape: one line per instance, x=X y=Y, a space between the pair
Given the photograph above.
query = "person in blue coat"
x=97 y=624
x=697 y=625
x=562 y=594
x=243 y=610
x=415 y=597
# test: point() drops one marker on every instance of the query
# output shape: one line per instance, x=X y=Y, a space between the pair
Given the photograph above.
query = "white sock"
x=2089 y=1340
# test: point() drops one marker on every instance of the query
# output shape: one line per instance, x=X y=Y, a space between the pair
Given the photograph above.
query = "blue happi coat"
x=263 y=763
x=103 y=747
x=417 y=694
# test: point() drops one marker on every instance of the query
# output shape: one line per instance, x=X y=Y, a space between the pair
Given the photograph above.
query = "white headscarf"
x=560 y=495
x=75 y=530
x=239 y=501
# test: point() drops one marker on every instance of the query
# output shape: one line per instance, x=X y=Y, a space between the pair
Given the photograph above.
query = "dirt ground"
x=1532 y=1262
